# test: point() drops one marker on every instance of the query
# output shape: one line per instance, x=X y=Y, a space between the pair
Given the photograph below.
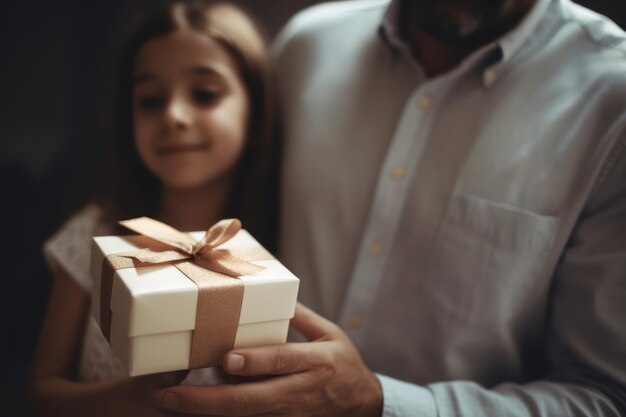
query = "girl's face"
x=190 y=109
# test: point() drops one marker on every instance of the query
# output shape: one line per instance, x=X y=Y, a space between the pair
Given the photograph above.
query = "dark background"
x=57 y=68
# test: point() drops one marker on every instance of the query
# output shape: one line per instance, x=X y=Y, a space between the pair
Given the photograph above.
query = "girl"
x=193 y=147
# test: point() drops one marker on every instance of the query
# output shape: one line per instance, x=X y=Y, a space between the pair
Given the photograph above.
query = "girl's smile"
x=181 y=149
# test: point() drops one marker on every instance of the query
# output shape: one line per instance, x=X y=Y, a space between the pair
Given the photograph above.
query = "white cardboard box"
x=153 y=309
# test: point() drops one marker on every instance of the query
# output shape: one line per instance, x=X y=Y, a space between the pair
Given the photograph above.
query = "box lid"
x=161 y=299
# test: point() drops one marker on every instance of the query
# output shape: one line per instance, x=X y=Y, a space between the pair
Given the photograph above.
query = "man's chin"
x=465 y=23
x=456 y=22
x=451 y=34
x=468 y=33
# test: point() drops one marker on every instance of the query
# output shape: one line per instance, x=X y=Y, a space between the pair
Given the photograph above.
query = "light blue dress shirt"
x=467 y=231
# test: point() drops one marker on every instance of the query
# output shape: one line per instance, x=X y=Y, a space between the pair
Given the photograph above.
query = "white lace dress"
x=70 y=248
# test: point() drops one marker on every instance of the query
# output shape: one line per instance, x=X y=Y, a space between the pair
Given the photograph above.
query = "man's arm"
x=586 y=329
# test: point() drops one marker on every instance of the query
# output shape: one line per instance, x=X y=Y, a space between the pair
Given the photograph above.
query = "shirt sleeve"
x=70 y=247
x=586 y=329
x=404 y=399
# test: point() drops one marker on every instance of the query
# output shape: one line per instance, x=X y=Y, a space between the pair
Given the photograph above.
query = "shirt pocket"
x=490 y=262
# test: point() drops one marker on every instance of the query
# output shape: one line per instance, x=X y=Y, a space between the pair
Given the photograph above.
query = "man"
x=455 y=199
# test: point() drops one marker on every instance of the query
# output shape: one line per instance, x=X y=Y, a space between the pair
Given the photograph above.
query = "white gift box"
x=153 y=308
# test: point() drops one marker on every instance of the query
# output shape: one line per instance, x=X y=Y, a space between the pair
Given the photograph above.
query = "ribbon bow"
x=204 y=252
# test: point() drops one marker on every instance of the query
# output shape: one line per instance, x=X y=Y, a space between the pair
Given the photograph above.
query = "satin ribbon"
x=213 y=270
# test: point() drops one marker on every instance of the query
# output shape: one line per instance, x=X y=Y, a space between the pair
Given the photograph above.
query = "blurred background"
x=57 y=78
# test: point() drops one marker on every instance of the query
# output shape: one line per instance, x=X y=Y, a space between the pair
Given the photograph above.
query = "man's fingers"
x=313 y=326
x=258 y=398
x=286 y=358
x=247 y=399
x=282 y=359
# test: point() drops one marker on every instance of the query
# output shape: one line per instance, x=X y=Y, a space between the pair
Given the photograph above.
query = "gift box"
x=163 y=310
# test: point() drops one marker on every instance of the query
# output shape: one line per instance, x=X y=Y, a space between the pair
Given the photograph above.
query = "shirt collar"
x=389 y=27
x=511 y=41
x=508 y=44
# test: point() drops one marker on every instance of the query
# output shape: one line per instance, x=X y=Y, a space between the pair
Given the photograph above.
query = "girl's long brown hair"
x=130 y=190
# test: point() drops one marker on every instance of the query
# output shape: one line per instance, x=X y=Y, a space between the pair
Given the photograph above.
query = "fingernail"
x=169 y=400
x=235 y=362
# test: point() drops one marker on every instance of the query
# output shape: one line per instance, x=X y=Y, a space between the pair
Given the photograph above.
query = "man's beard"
x=459 y=21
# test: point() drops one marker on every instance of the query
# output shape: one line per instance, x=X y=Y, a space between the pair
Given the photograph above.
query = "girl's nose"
x=177 y=114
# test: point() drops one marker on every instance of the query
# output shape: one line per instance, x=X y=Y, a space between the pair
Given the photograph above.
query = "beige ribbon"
x=211 y=269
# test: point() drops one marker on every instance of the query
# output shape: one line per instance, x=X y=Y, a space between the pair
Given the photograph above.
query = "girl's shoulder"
x=69 y=248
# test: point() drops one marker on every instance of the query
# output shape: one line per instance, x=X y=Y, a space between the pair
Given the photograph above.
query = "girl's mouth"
x=181 y=149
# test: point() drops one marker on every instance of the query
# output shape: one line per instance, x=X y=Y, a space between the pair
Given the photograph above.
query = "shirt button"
x=424 y=102
x=376 y=248
x=398 y=172
x=354 y=320
x=489 y=77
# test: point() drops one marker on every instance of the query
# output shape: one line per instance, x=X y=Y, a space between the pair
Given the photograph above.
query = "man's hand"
x=325 y=377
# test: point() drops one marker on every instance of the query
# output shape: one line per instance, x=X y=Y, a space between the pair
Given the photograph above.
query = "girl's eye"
x=150 y=102
x=205 y=96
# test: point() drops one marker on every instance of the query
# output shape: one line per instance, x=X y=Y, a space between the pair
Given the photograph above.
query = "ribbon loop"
x=161 y=232
x=219 y=233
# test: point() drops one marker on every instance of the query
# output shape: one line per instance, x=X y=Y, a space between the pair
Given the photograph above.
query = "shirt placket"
x=390 y=195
